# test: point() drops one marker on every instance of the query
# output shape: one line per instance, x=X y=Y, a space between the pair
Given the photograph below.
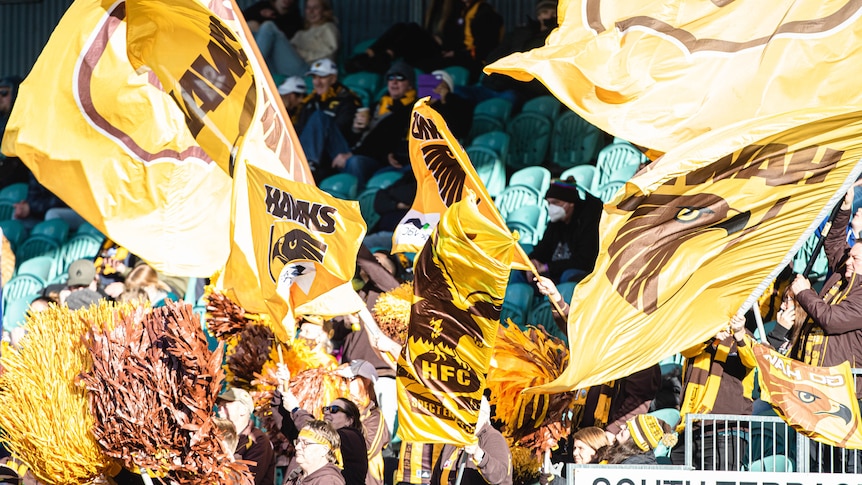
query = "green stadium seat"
x=460 y=75
x=529 y=134
x=516 y=196
x=538 y=178
x=21 y=286
x=617 y=161
x=489 y=167
x=14 y=231
x=544 y=105
x=384 y=179
x=495 y=140
x=607 y=191
x=371 y=82
x=90 y=230
x=14 y=193
x=528 y=221
x=366 y=207
x=43 y=267
x=516 y=303
x=341 y=185
x=37 y=246
x=79 y=247
x=583 y=175
x=484 y=124
x=574 y=142
x=56 y=229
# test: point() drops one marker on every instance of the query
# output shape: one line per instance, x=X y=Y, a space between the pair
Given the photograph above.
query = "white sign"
x=635 y=476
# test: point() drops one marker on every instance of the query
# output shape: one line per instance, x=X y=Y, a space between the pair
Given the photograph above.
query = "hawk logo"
x=661 y=225
x=438 y=157
x=295 y=245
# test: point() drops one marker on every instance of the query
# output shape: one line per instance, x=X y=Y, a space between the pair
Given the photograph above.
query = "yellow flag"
x=690 y=242
x=115 y=148
x=204 y=56
x=661 y=73
x=819 y=402
x=460 y=278
x=444 y=174
x=298 y=241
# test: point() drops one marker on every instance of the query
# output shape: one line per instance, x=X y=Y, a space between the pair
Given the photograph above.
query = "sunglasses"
x=332 y=409
x=4 y=93
x=396 y=77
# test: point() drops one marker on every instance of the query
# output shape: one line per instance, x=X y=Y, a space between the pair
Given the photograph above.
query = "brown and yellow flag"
x=698 y=237
x=298 y=241
x=460 y=279
x=661 y=73
x=113 y=145
x=819 y=402
x=444 y=175
x=204 y=55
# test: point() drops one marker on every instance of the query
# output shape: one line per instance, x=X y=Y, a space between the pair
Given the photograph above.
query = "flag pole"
x=537 y=275
x=462 y=462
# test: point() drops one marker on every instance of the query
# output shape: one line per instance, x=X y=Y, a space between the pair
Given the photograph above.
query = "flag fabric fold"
x=112 y=145
x=460 y=278
x=659 y=74
x=819 y=402
x=444 y=175
x=696 y=238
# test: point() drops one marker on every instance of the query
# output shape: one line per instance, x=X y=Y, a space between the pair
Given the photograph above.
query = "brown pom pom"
x=224 y=317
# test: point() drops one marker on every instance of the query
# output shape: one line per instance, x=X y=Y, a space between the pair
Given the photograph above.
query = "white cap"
x=322 y=67
x=293 y=84
x=445 y=77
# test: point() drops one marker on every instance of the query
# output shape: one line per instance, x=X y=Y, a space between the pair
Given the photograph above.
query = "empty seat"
x=90 y=230
x=538 y=178
x=341 y=185
x=528 y=221
x=56 y=229
x=497 y=108
x=14 y=231
x=383 y=179
x=772 y=463
x=583 y=175
x=516 y=196
x=484 y=124
x=14 y=193
x=516 y=303
x=37 y=246
x=544 y=105
x=489 y=167
x=575 y=141
x=366 y=207
x=370 y=82
x=460 y=75
x=607 y=191
x=43 y=267
x=21 y=286
x=529 y=134
x=668 y=415
x=495 y=140
x=617 y=161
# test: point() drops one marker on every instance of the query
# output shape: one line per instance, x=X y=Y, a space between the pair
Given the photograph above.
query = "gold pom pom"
x=669 y=440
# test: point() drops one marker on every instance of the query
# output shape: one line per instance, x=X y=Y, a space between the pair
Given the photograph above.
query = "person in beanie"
x=570 y=245
x=638 y=440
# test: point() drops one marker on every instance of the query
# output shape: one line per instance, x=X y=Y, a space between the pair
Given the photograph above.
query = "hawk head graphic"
x=657 y=227
x=295 y=245
x=808 y=404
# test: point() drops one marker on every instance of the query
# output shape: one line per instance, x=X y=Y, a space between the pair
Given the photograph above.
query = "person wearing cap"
x=570 y=245
x=383 y=142
x=455 y=109
x=236 y=405
x=318 y=39
x=292 y=91
x=318 y=456
x=489 y=461
x=363 y=376
x=82 y=286
x=325 y=118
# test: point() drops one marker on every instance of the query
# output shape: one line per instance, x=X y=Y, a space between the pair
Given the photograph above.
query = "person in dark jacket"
x=570 y=245
x=342 y=414
x=318 y=455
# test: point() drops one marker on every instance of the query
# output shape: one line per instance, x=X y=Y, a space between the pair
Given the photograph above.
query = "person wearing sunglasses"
x=342 y=414
x=318 y=456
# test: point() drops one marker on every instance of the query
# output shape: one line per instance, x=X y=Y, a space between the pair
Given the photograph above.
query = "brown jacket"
x=495 y=467
x=833 y=332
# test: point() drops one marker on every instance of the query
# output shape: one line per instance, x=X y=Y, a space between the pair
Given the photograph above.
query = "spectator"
x=318 y=40
x=363 y=376
x=237 y=406
x=292 y=92
x=587 y=443
x=638 y=440
x=283 y=13
x=342 y=414
x=318 y=456
x=324 y=114
x=488 y=462
x=383 y=141
x=716 y=381
x=229 y=438
x=145 y=277
x=570 y=245
x=456 y=110
x=82 y=287
x=415 y=463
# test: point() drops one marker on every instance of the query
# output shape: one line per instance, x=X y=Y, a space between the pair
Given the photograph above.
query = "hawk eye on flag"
x=687 y=243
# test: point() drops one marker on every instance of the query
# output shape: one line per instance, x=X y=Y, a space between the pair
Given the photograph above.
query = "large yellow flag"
x=686 y=245
x=444 y=175
x=819 y=402
x=298 y=240
x=114 y=146
x=460 y=278
x=204 y=55
x=661 y=73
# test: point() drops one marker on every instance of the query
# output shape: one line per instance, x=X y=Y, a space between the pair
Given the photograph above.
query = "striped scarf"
x=386 y=102
x=702 y=386
x=810 y=345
